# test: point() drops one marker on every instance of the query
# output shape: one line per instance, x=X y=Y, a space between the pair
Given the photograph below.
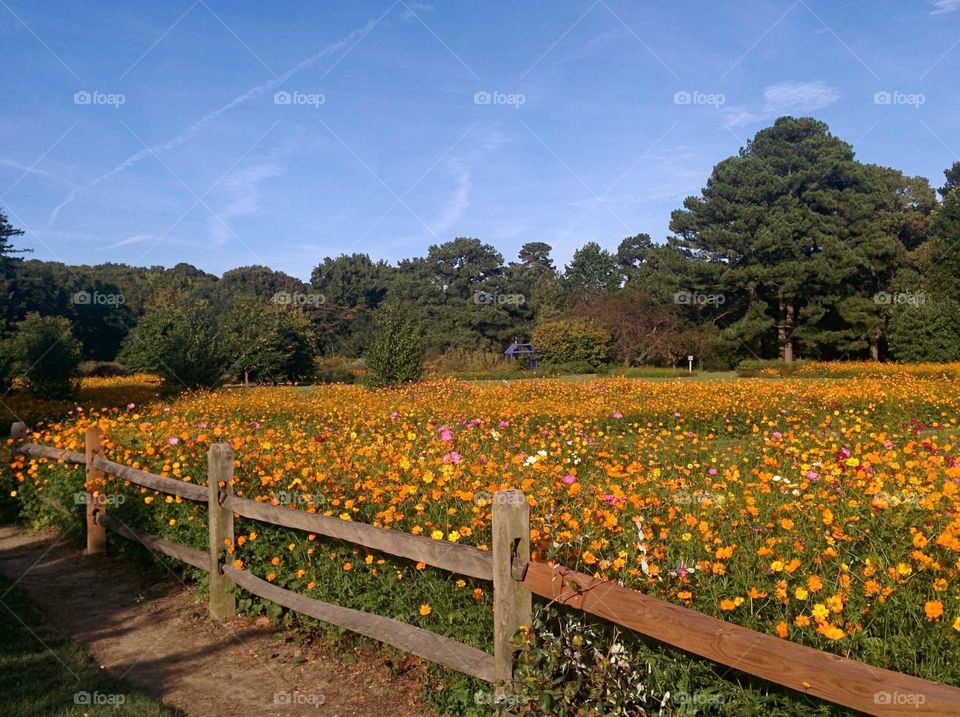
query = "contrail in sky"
x=211 y=117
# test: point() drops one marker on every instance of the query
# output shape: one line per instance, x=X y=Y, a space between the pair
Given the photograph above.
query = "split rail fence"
x=515 y=579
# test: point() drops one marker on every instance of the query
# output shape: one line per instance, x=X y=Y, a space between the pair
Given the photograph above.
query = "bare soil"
x=150 y=630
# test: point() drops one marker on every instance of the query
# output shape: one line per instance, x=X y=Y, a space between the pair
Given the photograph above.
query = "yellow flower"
x=820 y=611
x=437 y=535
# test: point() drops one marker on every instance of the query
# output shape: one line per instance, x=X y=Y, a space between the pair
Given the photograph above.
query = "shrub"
x=45 y=353
x=581 y=342
x=180 y=342
x=338 y=369
x=462 y=362
x=927 y=332
x=102 y=369
x=396 y=352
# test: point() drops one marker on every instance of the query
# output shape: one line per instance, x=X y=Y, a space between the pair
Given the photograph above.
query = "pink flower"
x=173 y=440
x=446 y=434
x=504 y=424
x=569 y=478
x=777 y=435
x=712 y=471
x=676 y=414
x=255 y=424
x=609 y=498
x=812 y=475
x=131 y=406
x=452 y=457
x=617 y=414
x=394 y=416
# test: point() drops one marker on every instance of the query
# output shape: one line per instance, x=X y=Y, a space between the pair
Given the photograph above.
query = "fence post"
x=96 y=533
x=512 y=602
x=18 y=431
x=222 y=603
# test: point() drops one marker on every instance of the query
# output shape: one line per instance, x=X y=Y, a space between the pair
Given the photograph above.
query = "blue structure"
x=516 y=350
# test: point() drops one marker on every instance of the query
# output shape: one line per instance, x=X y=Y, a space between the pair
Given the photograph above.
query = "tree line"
x=794 y=248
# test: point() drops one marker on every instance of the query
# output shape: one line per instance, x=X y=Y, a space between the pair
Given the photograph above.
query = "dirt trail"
x=155 y=635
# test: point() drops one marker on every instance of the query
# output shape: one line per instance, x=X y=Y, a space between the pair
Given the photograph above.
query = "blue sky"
x=228 y=134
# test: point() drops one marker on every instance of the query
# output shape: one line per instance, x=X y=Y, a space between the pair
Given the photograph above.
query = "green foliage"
x=580 y=343
x=268 y=341
x=396 y=351
x=926 y=331
x=6 y=369
x=45 y=353
x=339 y=369
x=592 y=270
x=179 y=341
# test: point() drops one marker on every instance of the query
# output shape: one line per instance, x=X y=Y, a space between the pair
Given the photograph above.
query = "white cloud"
x=133 y=239
x=456 y=204
x=784 y=98
x=210 y=117
x=243 y=188
x=798 y=97
x=941 y=7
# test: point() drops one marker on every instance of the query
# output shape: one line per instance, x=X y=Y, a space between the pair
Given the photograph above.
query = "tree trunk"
x=785 y=330
x=875 y=344
x=246 y=378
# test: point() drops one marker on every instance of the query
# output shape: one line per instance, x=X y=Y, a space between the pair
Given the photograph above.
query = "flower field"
x=824 y=511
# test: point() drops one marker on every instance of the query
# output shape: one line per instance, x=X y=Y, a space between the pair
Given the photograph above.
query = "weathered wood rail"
x=516 y=579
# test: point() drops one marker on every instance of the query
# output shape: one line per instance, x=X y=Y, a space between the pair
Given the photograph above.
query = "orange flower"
x=781 y=629
x=425 y=609
x=933 y=610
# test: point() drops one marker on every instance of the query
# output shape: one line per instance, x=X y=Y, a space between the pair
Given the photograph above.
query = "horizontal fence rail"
x=155 y=482
x=417 y=641
x=57 y=454
x=840 y=680
x=461 y=559
x=184 y=553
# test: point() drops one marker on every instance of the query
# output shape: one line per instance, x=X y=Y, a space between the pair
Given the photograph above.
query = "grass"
x=43 y=674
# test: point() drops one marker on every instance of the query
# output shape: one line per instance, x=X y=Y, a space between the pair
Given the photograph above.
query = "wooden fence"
x=515 y=580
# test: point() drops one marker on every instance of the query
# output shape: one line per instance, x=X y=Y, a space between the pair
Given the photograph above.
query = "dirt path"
x=154 y=634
